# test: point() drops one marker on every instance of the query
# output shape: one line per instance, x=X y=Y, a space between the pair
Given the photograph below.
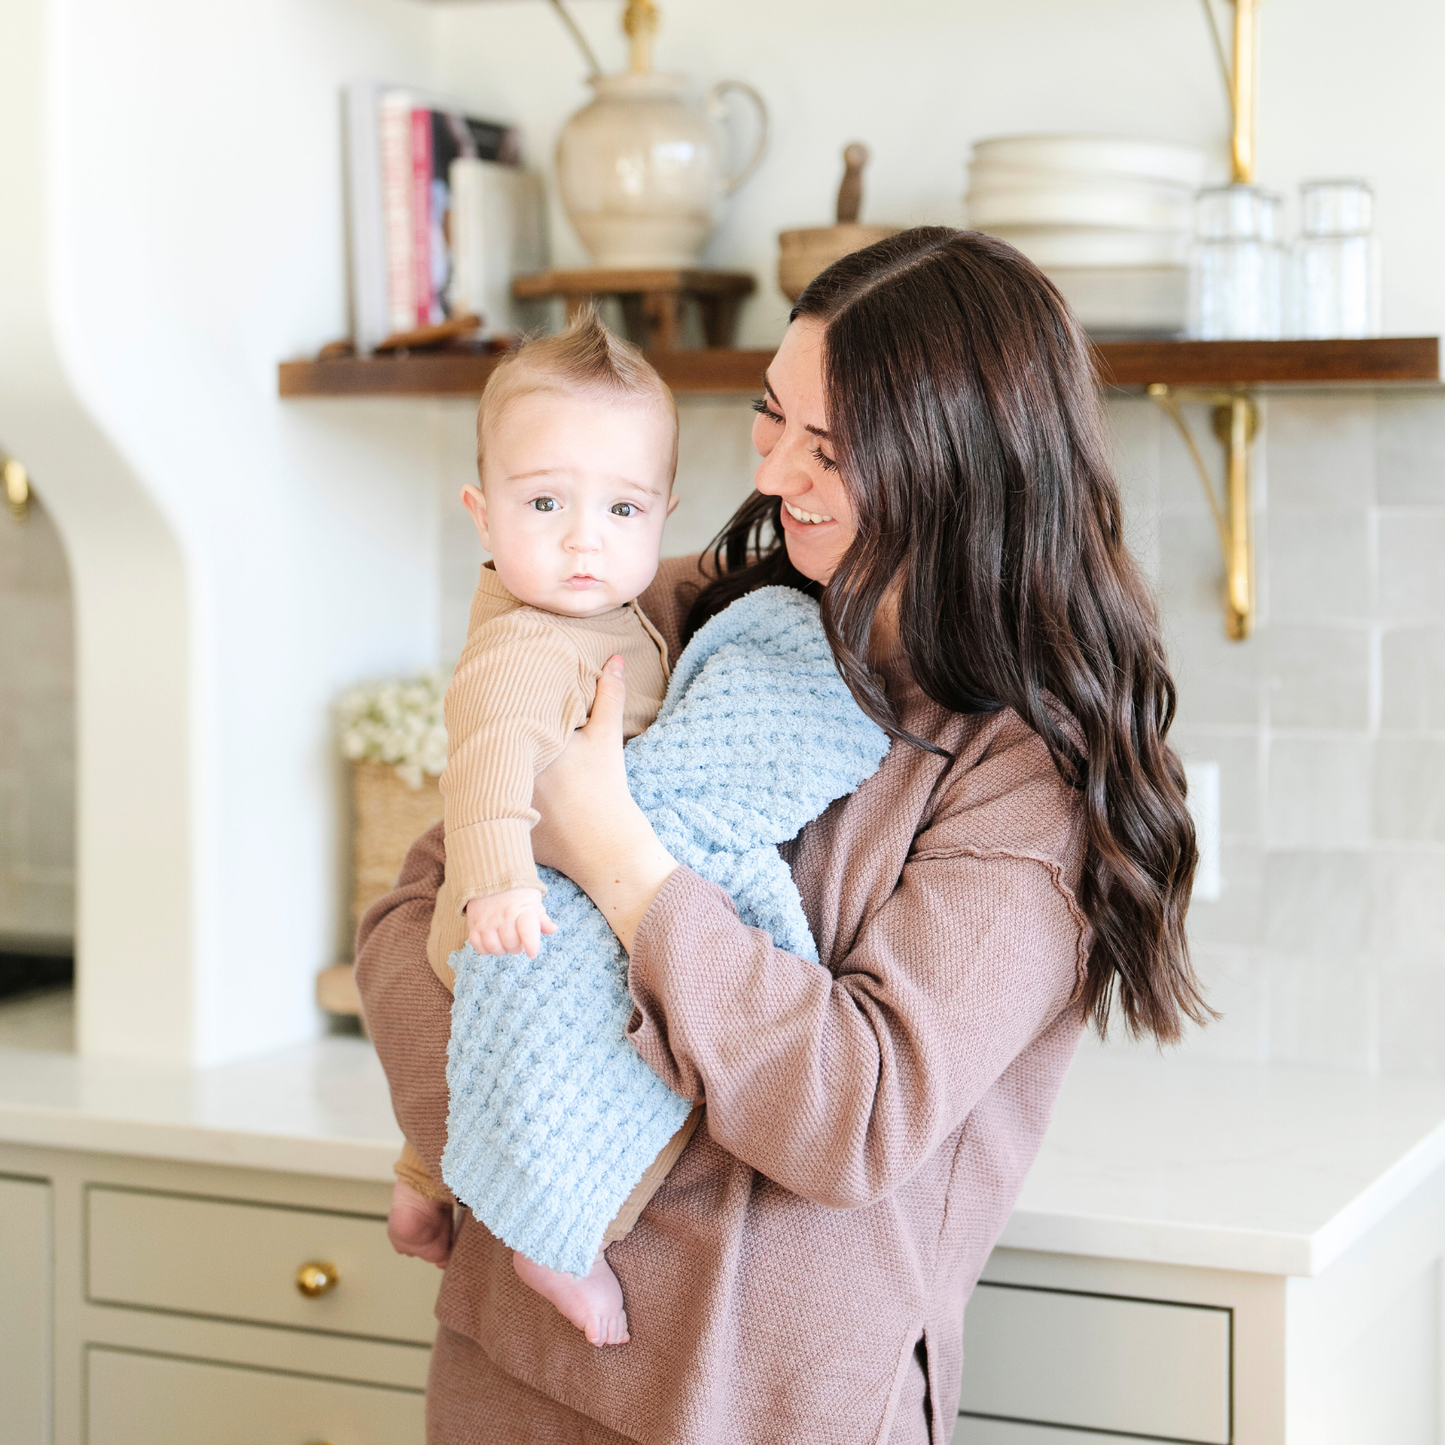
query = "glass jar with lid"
x=1336 y=273
x=1236 y=266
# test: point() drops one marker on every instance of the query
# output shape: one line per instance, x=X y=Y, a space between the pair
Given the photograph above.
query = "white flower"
x=398 y=721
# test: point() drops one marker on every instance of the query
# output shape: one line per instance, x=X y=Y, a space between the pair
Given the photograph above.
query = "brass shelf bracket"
x=1236 y=422
x=1239 y=83
x=15 y=481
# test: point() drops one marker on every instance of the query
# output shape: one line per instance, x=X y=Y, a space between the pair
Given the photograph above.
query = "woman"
x=934 y=469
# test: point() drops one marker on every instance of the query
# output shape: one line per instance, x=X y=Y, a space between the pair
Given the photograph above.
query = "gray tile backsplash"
x=1322 y=455
x=37 y=732
x=1412 y=1017
x=1412 y=678
x=1318 y=675
x=1317 y=901
x=1317 y=792
x=1412 y=564
x=1327 y=944
x=1409 y=789
x=1319 y=563
x=1410 y=449
x=1324 y=1010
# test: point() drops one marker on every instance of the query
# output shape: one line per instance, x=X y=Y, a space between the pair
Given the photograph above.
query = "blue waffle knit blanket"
x=554 y=1116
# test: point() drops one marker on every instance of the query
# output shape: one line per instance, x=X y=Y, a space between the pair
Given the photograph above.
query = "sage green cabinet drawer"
x=25 y=1311
x=1096 y=1362
x=241 y=1261
x=138 y=1399
x=972 y=1430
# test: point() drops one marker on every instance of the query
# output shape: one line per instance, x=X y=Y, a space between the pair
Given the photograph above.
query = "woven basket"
x=388 y=818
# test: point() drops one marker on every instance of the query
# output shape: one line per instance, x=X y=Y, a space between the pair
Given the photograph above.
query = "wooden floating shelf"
x=701 y=371
x=1270 y=363
x=1121 y=363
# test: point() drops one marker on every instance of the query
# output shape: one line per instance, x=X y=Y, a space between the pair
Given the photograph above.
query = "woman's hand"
x=591 y=829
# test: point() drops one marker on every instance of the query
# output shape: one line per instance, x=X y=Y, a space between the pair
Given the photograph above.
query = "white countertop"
x=320 y=1108
x=1224 y=1166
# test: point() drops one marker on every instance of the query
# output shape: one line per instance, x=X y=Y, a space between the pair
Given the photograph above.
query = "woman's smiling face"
x=791 y=436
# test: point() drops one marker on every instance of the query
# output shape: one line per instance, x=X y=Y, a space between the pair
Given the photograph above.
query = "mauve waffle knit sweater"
x=868 y=1123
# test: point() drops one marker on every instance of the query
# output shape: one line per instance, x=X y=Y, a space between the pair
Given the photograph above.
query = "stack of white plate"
x=1109 y=220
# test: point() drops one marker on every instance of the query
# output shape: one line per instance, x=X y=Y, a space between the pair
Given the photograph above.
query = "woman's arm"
x=837 y=1087
x=408 y=1012
x=591 y=828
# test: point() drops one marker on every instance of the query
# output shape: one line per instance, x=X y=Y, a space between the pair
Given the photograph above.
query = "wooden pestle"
x=850 y=192
x=807 y=250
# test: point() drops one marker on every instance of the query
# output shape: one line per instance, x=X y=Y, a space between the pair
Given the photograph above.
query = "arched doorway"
x=37 y=782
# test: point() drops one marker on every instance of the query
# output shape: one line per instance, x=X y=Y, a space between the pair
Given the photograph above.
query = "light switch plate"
x=1203 y=780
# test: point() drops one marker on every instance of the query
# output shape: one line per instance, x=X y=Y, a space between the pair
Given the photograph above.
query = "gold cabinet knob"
x=317 y=1278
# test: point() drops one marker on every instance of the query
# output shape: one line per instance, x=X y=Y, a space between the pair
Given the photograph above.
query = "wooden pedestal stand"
x=652 y=300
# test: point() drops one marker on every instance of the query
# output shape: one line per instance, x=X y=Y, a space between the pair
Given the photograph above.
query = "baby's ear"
x=475 y=501
x=672 y=502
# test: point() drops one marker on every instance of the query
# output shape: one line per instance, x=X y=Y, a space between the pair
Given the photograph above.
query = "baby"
x=576 y=451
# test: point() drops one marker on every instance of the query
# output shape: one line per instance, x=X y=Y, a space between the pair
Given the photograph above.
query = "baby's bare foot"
x=593 y=1301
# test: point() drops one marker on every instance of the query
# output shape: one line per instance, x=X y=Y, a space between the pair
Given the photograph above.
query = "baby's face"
x=575 y=492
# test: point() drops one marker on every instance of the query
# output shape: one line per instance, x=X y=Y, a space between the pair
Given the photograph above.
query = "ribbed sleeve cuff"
x=410 y=1170
x=491 y=857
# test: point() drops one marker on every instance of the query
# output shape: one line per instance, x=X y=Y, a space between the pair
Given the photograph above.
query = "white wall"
x=202 y=216
x=188 y=236
x=1345 y=89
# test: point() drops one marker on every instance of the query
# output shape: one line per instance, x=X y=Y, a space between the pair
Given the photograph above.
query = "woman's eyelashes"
x=763 y=409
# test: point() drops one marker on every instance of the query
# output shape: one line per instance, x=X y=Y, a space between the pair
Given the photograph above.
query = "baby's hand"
x=419 y=1226
x=510 y=922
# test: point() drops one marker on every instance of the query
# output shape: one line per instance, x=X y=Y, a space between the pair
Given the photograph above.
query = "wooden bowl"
x=802 y=254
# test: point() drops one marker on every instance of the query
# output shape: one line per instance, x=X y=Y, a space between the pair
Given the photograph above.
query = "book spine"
x=366 y=230
x=421 y=168
x=465 y=240
x=396 y=191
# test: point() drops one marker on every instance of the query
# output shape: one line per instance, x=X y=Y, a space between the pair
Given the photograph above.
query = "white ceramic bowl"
x=1110 y=155
x=987 y=176
x=1050 y=246
x=1083 y=204
x=1127 y=301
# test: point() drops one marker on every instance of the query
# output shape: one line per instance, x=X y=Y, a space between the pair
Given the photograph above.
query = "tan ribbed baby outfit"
x=524 y=683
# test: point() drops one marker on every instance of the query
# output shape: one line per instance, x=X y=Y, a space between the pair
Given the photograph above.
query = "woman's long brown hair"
x=966 y=423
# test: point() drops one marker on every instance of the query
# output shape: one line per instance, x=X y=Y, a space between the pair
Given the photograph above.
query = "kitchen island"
x=1216 y=1253
x=195 y=1254
x=1227 y=1254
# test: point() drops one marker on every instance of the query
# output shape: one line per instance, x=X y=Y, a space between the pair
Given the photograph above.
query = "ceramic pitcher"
x=640 y=173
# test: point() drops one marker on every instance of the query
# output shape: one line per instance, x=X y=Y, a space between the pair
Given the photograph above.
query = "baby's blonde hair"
x=584 y=360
